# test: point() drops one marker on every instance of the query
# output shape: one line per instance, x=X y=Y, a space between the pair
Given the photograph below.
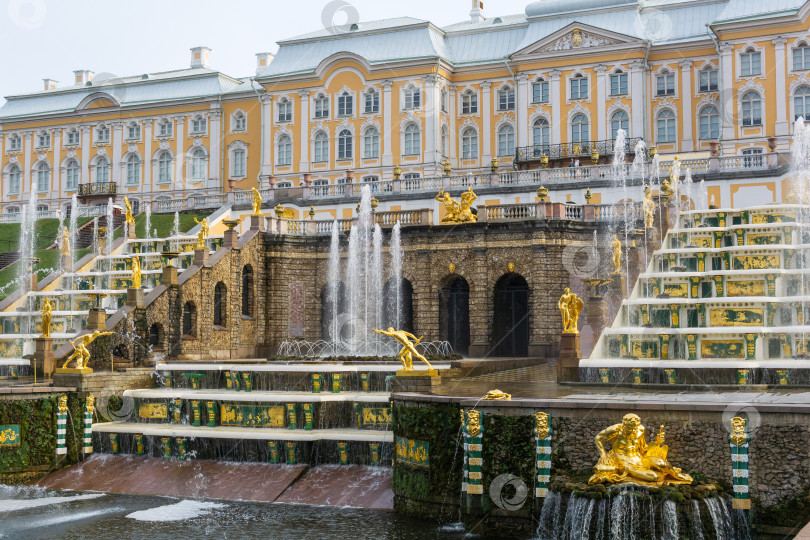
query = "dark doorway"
x=401 y=301
x=511 y=316
x=454 y=314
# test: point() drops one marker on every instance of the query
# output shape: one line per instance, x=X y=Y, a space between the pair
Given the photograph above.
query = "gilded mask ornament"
x=91 y=404
x=541 y=425
x=63 y=404
x=738 y=435
x=452 y=268
x=473 y=423
x=510 y=267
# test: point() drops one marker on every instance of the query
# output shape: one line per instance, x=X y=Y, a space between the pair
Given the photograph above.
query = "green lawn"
x=46 y=230
x=164 y=223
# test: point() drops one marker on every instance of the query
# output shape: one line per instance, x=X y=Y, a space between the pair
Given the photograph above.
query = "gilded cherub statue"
x=257 y=202
x=136 y=273
x=570 y=307
x=408 y=351
x=616 y=246
x=46 y=310
x=631 y=460
x=129 y=218
x=202 y=235
x=648 y=207
x=80 y=352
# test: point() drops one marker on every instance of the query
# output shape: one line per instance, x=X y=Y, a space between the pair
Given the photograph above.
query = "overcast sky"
x=52 y=38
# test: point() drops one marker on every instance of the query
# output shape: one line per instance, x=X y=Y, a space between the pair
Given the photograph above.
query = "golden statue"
x=631 y=460
x=570 y=307
x=451 y=207
x=408 y=351
x=136 y=273
x=62 y=405
x=616 y=246
x=80 y=352
x=473 y=423
x=541 y=420
x=467 y=200
x=456 y=212
x=128 y=205
x=497 y=395
x=65 y=241
x=91 y=404
x=46 y=310
x=675 y=172
x=257 y=202
x=202 y=236
x=738 y=435
x=648 y=207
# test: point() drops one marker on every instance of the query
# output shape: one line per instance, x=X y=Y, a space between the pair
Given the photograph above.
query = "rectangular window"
x=618 y=84
x=372 y=104
x=42 y=181
x=665 y=84
x=345 y=105
x=750 y=64
x=133 y=172
x=134 y=132
x=801 y=58
x=708 y=80
x=540 y=92
x=579 y=88
x=43 y=140
x=15 y=143
x=198 y=125
x=239 y=163
x=413 y=99
x=103 y=134
x=165 y=129
x=469 y=103
x=445 y=99
x=506 y=100
x=321 y=108
x=72 y=176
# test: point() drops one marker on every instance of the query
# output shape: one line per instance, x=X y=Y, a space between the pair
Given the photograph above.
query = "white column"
x=601 y=96
x=115 y=151
x=147 y=154
x=486 y=116
x=522 y=121
x=387 y=127
x=637 y=100
x=687 y=114
x=431 y=114
x=555 y=98
x=28 y=141
x=56 y=181
x=782 y=120
x=727 y=101
x=215 y=136
x=266 y=122
x=304 y=131
x=452 y=155
x=85 y=155
x=180 y=154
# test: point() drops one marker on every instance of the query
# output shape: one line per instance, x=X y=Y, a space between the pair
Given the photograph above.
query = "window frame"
x=284 y=150
x=136 y=166
x=374 y=106
x=164 y=158
x=43 y=171
x=345 y=104
x=239 y=163
x=712 y=123
x=165 y=128
x=622 y=81
x=711 y=73
x=70 y=171
x=102 y=164
x=371 y=141
x=345 y=145
x=747 y=57
x=105 y=130
x=752 y=117
x=665 y=83
x=14 y=143
x=670 y=128
x=469 y=102
x=624 y=123
x=412 y=98
x=15 y=179
x=320 y=148
x=506 y=99
x=581 y=82
x=577 y=128
x=540 y=87
x=544 y=127
x=469 y=143
x=321 y=107
x=197 y=164
x=804 y=50
x=412 y=140
x=504 y=146
x=284 y=111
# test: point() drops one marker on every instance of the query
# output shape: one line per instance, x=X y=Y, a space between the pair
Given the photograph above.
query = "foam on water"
x=15 y=505
x=176 y=512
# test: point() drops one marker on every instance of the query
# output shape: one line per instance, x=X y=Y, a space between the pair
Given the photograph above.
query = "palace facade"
x=549 y=86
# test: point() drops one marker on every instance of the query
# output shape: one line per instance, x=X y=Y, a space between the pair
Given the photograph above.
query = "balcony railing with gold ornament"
x=97 y=189
x=576 y=150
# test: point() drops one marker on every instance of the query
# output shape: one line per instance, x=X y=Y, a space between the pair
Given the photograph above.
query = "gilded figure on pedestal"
x=128 y=213
x=648 y=207
x=257 y=202
x=570 y=307
x=136 y=273
x=80 y=352
x=616 y=246
x=408 y=351
x=202 y=235
x=47 y=308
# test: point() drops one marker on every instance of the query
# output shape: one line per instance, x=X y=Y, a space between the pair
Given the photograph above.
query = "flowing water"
x=73 y=227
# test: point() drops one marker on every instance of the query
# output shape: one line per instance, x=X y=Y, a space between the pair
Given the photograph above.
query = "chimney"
x=477 y=13
x=83 y=76
x=49 y=84
x=199 y=57
x=263 y=60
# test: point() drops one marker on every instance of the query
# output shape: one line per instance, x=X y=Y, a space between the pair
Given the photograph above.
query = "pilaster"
x=304 y=130
x=555 y=98
x=637 y=104
x=727 y=100
x=782 y=125
x=522 y=109
x=486 y=116
x=387 y=154
x=688 y=115
x=601 y=96
x=180 y=154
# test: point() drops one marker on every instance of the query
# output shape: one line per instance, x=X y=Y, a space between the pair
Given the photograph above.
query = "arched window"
x=372 y=102
x=238 y=121
x=321 y=148
x=619 y=120
x=469 y=143
x=164 y=162
x=751 y=109
x=345 y=144
x=284 y=151
x=133 y=169
x=371 y=143
x=345 y=104
x=220 y=304
x=506 y=99
x=413 y=143
x=239 y=163
x=198 y=164
x=801 y=103
x=469 y=102
x=579 y=129
x=247 y=291
x=541 y=134
x=72 y=174
x=198 y=125
x=156 y=336
x=189 y=319
x=665 y=126
x=102 y=170
x=445 y=142
x=14 y=179
x=43 y=177
x=506 y=140
x=709 y=120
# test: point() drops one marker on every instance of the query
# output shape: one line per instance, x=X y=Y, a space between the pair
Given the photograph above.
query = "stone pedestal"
x=131 y=231
x=169 y=277
x=34 y=285
x=73 y=371
x=43 y=355
x=617 y=285
x=135 y=298
x=257 y=223
x=230 y=238
x=596 y=315
x=97 y=320
x=66 y=262
x=201 y=257
x=568 y=362
x=415 y=381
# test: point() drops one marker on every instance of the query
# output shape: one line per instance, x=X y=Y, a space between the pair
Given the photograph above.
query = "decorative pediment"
x=578 y=37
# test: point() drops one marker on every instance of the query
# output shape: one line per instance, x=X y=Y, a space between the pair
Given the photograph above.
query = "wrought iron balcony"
x=584 y=149
x=97 y=189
